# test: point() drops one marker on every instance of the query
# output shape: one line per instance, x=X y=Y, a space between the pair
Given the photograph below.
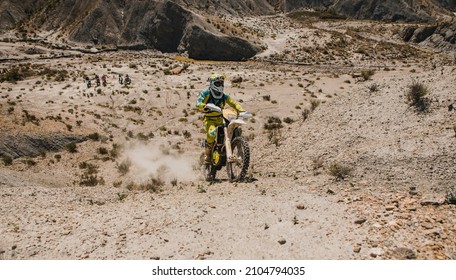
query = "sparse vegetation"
x=273 y=123
x=94 y=136
x=154 y=184
x=317 y=164
x=122 y=196
x=415 y=95
x=314 y=103
x=367 y=74
x=7 y=160
x=339 y=171
x=305 y=114
x=124 y=167
x=71 y=147
x=373 y=87
x=450 y=197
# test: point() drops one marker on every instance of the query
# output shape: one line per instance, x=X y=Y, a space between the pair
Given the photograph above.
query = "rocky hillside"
x=185 y=26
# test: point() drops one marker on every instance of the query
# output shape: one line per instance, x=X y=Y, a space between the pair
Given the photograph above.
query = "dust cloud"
x=160 y=161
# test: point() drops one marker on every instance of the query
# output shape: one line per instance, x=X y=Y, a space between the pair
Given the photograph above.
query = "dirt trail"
x=220 y=221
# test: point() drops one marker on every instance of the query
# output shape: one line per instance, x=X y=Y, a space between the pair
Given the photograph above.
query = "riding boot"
x=208 y=153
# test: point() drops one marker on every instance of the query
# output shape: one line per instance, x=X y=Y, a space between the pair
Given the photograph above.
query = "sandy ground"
x=392 y=206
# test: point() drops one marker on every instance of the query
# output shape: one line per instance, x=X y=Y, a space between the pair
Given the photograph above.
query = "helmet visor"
x=218 y=83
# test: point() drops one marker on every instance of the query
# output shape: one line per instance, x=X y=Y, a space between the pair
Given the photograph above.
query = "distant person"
x=87 y=81
x=127 y=80
x=97 y=79
x=120 y=79
x=103 y=80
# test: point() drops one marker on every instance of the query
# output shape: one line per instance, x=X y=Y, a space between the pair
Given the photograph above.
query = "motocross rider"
x=215 y=95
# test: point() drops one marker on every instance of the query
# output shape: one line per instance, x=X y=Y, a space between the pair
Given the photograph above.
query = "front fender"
x=232 y=126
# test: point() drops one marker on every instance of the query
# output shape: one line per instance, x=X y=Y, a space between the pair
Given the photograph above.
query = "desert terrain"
x=350 y=170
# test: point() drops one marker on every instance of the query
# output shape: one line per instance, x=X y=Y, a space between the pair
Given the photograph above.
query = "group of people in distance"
x=126 y=81
x=123 y=81
x=97 y=80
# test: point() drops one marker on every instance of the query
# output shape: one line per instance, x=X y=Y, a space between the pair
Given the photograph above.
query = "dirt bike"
x=230 y=148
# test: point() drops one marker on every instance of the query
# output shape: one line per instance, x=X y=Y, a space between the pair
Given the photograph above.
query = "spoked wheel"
x=241 y=154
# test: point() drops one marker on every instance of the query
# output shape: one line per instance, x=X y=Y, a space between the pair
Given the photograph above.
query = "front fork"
x=229 y=151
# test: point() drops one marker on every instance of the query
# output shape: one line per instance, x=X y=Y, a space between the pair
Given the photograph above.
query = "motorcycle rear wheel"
x=241 y=151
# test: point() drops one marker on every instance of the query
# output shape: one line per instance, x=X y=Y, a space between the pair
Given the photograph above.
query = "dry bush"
x=314 y=103
x=317 y=163
x=367 y=74
x=305 y=114
x=374 y=87
x=415 y=95
x=7 y=160
x=450 y=197
x=124 y=167
x=71 y=147
x=288 y=120
x=339 y=171
x=154 y=184
x=273 y=123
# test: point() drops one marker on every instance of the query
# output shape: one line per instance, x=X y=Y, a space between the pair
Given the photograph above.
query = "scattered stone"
x=282 y=241
x=403 y=253
x=427 y=225
x=237 y=79
x=177 y=70
x=360 y=221
x=301 y=206
x=357 y=249
x=377 y=225
x=390 y=207
x=375 y=252
x=431 y=202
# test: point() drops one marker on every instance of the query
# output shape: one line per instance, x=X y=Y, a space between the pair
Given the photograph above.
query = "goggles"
x=218 y=83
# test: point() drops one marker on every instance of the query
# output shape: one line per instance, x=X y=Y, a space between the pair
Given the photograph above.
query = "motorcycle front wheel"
x=237 y=169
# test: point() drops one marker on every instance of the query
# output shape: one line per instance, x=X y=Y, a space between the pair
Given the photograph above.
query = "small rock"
x=431 y=202
x=282 y=241
x=377 y=225
x=360 y=221
x=427 y=225
x=404 y=254
x=237 y=80
x=390 y=207
x=413 y=192
x=301 y=206
x=357 y=249
x=375 y=252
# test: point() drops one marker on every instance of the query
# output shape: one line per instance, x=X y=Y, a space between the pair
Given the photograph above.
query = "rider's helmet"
x=216 y=83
